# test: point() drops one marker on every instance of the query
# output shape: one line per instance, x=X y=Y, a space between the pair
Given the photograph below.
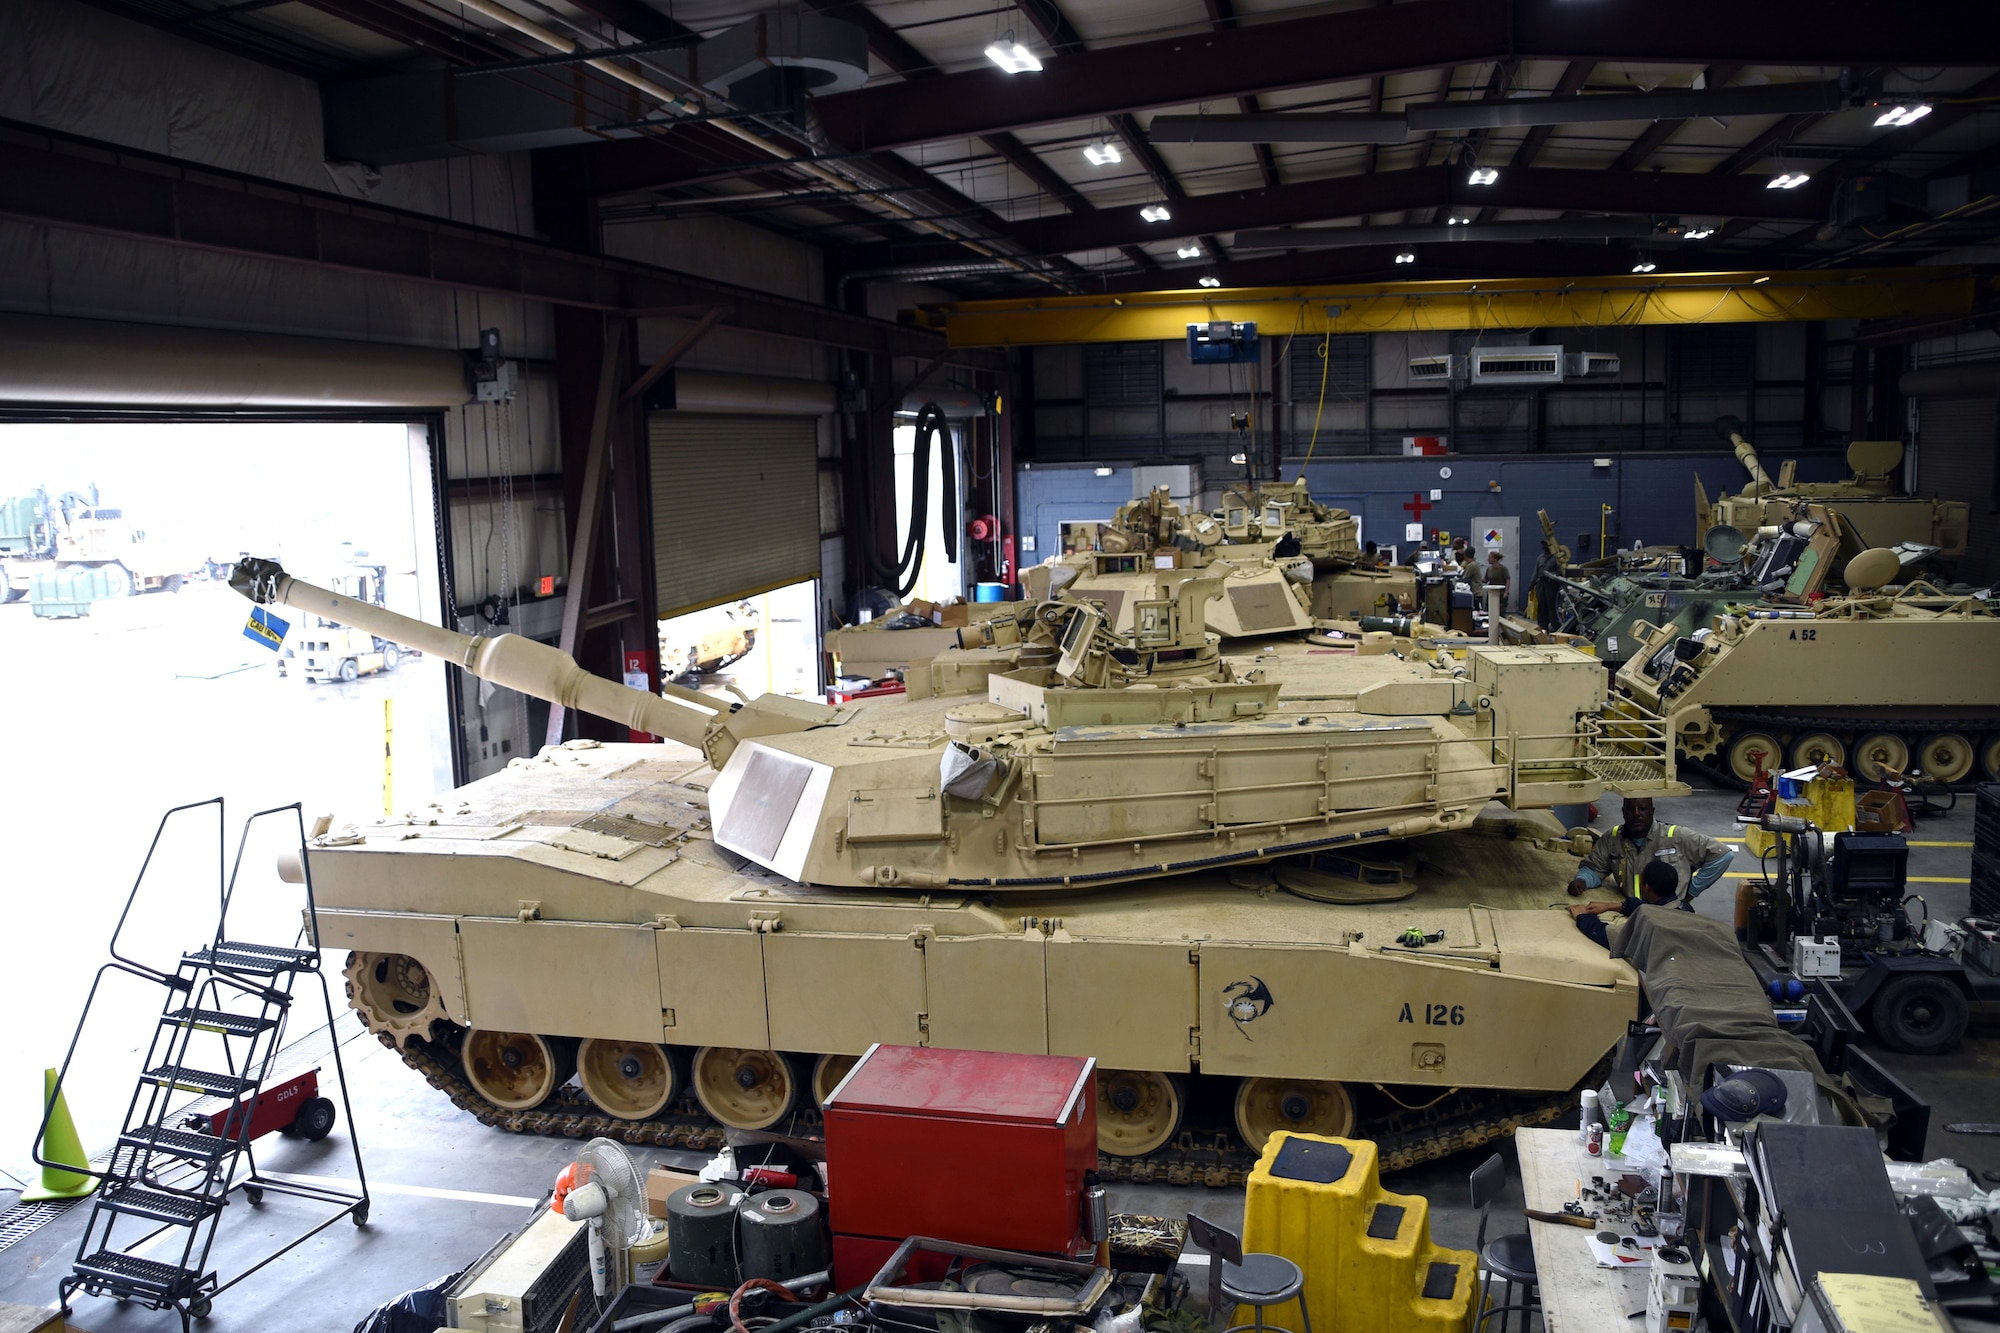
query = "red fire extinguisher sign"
x=639 y=675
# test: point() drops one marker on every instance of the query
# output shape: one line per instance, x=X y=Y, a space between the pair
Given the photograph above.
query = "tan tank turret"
x=1868 y=501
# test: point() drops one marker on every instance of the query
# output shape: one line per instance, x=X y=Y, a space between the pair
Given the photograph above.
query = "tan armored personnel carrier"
x=1065 y=839
x=1287 y=561
x=1884 y=680
x=1870 y=502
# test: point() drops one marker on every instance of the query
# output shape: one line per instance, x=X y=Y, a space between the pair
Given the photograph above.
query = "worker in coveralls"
x=1618 y=858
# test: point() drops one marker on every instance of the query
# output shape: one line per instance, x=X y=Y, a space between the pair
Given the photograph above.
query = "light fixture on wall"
x=1103 y=471
x=1102 y=153
x=1013 y=57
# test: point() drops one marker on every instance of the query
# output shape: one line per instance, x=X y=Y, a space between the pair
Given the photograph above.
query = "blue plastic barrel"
x=989 y=592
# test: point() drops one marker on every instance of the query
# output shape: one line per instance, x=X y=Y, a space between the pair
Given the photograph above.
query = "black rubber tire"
x=253 y=1195
x=315 y=1120
x=360 y=1214
x=349 y=671
x=392 y=657
x=1920 y=1014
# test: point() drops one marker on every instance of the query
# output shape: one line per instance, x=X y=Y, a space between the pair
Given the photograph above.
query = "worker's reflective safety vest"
x=1626 y=866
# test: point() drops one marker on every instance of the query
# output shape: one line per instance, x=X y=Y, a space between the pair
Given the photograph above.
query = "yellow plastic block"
x=1354 y=1282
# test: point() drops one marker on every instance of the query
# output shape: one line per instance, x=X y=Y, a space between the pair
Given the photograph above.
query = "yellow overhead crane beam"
x=1502 y=303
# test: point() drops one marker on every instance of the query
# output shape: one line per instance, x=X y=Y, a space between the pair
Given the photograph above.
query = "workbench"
x=1577 y=1296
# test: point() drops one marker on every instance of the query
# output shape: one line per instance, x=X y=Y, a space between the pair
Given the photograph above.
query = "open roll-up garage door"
x=735 y=506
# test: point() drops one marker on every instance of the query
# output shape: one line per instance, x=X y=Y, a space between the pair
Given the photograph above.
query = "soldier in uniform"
x=1618 y=858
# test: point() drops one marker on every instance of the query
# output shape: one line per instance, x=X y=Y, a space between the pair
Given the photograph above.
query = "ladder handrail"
x=165 y=978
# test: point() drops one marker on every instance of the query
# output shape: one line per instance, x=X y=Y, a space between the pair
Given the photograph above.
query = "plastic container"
x=989 y=592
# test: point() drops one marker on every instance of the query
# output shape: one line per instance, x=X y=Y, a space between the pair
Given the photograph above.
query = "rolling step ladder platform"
x=183 y=1155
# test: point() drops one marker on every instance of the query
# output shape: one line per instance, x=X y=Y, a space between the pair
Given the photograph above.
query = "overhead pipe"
x=1509 y=113
x=1339 y=238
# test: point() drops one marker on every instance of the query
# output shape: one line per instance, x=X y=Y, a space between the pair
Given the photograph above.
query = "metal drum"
x=701 y=1235
x=784 y=1235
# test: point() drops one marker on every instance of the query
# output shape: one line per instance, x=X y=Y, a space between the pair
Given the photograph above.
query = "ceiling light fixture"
x=1456 y=221
x=1013 y=57
x=1482 y=176
x=1697 y=233
x=1898 y=116
x=1755 y=282
x=1644 y=266
x=1188 y=252
x=1211 y=282
x=1406 y=256
x=1102 y=153
x=1787 y=180
x=1155 y=213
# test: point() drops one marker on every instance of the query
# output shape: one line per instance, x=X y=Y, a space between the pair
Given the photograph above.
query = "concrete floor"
x=447 y=1187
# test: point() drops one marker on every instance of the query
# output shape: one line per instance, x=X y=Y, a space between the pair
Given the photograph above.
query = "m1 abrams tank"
x=1286 y=558
x=1868 y=501
x=1222 y=881
x=1884 y=680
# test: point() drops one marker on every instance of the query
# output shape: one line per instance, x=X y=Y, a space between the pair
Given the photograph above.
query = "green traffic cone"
x=59 y=1144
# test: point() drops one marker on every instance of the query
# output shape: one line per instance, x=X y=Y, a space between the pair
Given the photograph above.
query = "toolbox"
x=974 y=1147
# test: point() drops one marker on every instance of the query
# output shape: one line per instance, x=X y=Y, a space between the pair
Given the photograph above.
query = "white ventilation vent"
x=1517 y=365
x=1437 y=369
x=1590 y=365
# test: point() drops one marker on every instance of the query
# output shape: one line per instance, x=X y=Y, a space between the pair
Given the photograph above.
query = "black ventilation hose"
x=902 y=573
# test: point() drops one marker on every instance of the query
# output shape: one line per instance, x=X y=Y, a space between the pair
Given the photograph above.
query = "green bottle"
x=1620 y=1120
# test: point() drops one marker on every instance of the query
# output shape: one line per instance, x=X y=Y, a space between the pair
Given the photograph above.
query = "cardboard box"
x=660 y=1183
x=955 y=615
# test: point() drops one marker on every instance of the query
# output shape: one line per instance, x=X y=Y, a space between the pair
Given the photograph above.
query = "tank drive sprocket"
x=394 y=996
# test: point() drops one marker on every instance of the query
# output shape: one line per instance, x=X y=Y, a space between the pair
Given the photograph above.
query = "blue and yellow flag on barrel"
x=265 y=628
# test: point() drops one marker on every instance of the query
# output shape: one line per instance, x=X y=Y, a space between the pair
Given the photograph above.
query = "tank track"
x=1976 y=730
x=1457 y=1122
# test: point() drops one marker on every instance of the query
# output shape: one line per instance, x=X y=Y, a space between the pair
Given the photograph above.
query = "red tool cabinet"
x=976 y=1147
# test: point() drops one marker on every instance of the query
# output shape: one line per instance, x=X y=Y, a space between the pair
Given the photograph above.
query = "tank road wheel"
x=1878 y=754
x=828 y=1070
x=1748 y=749
x=1945 y=759
x=516 y=1071
x=1305 y=1106
x=633 y=1080
x=1138 y=1111
x=1989 y=758
x=744 y=1089
x=1921 y=1013
x=393 y=993
x=1818 y=747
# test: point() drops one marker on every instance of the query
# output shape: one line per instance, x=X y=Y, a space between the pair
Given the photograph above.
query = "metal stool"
x=1510 y=1258
x=1256 y=1280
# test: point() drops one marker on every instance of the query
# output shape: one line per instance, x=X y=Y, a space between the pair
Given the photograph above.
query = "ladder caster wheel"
x=255 y=1195
x=361 y=1214
x=199 y=1307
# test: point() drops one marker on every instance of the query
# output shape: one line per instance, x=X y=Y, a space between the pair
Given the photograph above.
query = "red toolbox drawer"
x=977 y=1147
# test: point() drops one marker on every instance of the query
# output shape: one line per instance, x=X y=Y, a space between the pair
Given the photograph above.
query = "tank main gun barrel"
x=1732 y=430
x=506 y=659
